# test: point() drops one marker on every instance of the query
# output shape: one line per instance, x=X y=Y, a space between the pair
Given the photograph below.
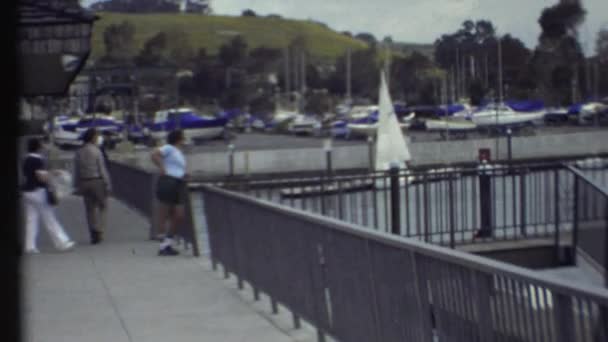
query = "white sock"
x=166 y=243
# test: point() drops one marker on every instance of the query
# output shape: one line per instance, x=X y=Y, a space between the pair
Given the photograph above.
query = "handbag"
x=51 y=197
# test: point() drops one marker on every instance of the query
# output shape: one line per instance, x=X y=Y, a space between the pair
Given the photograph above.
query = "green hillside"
x=211 y=32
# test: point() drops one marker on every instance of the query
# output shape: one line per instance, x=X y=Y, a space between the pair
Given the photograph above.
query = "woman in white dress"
x=36 y=202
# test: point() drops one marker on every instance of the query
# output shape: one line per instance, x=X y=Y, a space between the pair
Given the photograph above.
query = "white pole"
x=348 y=75
x=287 y=76
x=303 y=72
x=500 y=99
x=457 y=90
x=500 y=94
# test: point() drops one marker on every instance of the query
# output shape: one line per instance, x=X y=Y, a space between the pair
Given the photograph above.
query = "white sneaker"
x=68 y=246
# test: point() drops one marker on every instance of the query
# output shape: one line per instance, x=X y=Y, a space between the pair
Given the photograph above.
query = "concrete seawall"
x=423 y=153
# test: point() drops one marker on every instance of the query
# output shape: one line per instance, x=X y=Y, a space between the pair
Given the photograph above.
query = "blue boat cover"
x=188 y=120
x=575 y=109
x=526 y=106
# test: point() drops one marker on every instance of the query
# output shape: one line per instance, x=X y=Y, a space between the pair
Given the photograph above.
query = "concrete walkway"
x=120 y=291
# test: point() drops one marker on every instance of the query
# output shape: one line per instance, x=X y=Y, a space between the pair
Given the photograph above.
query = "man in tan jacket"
x=93 y=182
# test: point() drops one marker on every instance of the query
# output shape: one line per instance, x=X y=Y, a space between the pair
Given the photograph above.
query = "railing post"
x=427 y=207
x=231 y=159
x=452 y=211
x=485 y=202
x=484 y=288
x=557 y=220
x=395 y=200
x=605 y=249
x=564 y=318
x=296 y=321
x=328 y=158
x=370 y=153
x=522 y=197
x=575 y=223
x=274 y=306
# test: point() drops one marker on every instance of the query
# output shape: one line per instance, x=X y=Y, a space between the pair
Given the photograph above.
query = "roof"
x=48 y=12
x=53 y=44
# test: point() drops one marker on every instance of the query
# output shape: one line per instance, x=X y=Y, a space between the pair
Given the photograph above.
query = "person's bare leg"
x=177 y=216
x=166 y=246
x=161 y=225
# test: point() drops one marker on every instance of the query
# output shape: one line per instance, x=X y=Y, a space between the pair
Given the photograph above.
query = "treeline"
x=150 y=6
x=464 y=66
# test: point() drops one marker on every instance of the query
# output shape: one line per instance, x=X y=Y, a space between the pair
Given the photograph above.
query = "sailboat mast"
x=303 y=81
x=296 y=73
x=287 y=76
x=348 y=75
x=596 y=80
x=388 y=67
x=500 y=93
x=457 y=81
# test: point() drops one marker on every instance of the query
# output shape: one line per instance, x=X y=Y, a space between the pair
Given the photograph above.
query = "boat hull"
x=192 y=134
x=369 y=129
x=443 y=125
x=503 y=119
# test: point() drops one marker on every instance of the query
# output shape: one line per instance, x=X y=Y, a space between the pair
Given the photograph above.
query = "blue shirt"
x=173 y=161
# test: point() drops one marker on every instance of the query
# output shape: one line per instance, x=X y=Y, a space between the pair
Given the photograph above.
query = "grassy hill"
x=211 y=32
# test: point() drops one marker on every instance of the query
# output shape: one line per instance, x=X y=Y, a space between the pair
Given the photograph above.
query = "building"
x=79 y=94
x=144 y=6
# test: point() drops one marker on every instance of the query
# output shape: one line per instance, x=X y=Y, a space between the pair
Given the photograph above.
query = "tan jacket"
x=90 y=164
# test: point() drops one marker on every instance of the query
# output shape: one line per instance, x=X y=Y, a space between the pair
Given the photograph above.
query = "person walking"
x=171 y=189
x=36 y=202
x=92 y=181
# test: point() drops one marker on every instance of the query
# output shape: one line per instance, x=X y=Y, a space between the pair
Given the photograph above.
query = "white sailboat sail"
x=390 y=142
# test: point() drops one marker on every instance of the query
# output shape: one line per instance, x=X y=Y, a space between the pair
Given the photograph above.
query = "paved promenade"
x=120 y=291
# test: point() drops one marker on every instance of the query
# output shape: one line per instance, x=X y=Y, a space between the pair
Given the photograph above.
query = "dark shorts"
x=171 y=190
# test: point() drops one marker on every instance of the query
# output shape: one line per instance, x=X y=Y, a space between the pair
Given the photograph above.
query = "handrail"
x=586 y=179
x=453 y=256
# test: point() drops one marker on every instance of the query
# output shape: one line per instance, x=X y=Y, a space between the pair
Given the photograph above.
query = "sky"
x=421 y=21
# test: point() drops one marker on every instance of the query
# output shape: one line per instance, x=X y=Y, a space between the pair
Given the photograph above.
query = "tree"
x=410 y=77
x=233 y=53
x=119 y=42
x=263 y=59
x=365 y=76
x=367 y=37
x=470 y=55
x=558 y=55
x=249 y=13
x=602 y=45
x=179 y=48
x=153 y=52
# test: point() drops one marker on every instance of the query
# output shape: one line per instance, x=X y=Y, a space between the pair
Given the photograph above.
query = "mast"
x=348 y=75
x=287 y=76
x=500 y=93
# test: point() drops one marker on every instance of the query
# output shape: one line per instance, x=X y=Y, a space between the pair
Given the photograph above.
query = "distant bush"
x=249 y=13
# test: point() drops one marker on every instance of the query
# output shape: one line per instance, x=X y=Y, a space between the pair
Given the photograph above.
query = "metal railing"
x=591 y=208
x=136 y=188
x=448 y=207
x=357 y=284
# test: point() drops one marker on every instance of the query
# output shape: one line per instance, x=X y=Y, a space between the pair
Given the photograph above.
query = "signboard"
x=484 y=154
